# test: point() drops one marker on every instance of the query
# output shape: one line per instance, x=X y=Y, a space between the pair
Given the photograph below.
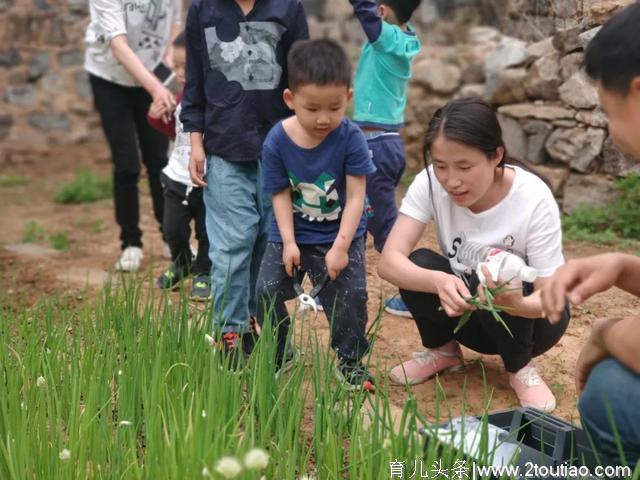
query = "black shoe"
x=354 y=376
x=200 y=289
x=171 y=277
x=250 y=338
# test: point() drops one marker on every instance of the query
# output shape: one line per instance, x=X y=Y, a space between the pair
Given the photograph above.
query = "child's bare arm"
x=582 y=278
x=283 y=211
x=337 y=257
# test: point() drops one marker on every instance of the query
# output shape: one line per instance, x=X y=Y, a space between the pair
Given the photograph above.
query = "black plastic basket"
x=544 y=440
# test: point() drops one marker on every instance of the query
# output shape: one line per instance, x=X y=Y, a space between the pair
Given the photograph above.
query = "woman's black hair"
x=472 y=122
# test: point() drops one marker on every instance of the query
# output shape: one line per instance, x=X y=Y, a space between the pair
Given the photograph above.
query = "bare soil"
x=27 y=278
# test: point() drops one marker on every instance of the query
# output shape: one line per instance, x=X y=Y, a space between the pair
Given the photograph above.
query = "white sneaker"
x=130 y=260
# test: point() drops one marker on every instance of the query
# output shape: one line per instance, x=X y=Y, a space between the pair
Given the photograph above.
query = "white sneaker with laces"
x=130 y=260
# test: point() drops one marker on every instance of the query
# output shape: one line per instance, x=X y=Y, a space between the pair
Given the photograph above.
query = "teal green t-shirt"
x=382 y=77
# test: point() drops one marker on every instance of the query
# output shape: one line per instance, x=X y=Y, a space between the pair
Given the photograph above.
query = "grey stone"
x=511 y=53
x=570 y=64
x=22 y=95
x=42 y=5
x=5 y=4
x=577 y=147
x=540 y=49
x=39 y=65
x=481 y=34
x=614 y=162
x=71 y=57
x=31 y=250
x=594 y=118
x=587 y=190
x=556 y=176
x=506 y=86
x=586 y=37
x=567 y=8
x=567 y=40
x=50 y=121
x=6 y=121
x=514 y=137
x=83 y=87
x=78 y=6
x=52 y=83
x=437 y=76
x=543 y=78
x=538 y=133
x=10 y=58
x=471 y=90
x=57 y=34
x=537 y=110
x=566 y=123
x=579 y=92
x=426 y=14
x=599 y=11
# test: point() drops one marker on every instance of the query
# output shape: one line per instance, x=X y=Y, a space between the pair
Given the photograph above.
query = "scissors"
x=308 y=298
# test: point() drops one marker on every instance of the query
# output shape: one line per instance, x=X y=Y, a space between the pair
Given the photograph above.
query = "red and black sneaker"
x=232 y=349
x=354 y=376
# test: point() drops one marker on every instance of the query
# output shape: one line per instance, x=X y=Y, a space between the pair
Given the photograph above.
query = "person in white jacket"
x=126 y=42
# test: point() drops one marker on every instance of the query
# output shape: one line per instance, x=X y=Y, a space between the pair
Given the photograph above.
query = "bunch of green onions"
x=490 y=293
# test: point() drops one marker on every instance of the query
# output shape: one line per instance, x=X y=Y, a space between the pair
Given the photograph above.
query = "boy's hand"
x=290 y=257
x=336 y=260
x=157 y=110
x=196 y=165
x=166 y=98
x=577 y=281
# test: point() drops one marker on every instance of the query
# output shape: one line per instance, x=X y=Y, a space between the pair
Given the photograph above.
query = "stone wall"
x=46 y=98
x=547 y=107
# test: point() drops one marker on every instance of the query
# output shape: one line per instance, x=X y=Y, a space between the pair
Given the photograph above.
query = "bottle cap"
x=528 y=274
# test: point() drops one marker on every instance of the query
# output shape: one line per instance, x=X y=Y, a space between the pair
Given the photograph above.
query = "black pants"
x=181 y=205
x=123 y=111
x=531 y=337
x=344 y=299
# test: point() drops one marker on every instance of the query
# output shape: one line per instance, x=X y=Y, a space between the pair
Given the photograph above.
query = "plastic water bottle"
x=500 y=263
x=468 y=434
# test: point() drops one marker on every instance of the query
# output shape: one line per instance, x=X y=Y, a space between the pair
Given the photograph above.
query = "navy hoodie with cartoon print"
x=236 y=72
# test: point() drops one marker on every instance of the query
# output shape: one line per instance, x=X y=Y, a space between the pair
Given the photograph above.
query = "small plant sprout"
x=256 y=459
x=41 y=382
x=228 y=467
x=64 y=455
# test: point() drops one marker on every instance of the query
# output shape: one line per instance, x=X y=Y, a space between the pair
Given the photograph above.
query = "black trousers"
x=123 y=112
x=181 y=205
x=531 y=337
x=344 y=299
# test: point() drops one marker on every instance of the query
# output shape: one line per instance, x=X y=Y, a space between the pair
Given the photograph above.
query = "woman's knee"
x=427 y=258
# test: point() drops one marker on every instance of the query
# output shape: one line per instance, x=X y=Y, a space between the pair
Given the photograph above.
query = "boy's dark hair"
x=321 y=62
x=402 y=8
x=180 y=41
x=613 y=56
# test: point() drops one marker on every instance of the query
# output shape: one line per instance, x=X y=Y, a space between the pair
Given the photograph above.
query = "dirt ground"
x=29 y=276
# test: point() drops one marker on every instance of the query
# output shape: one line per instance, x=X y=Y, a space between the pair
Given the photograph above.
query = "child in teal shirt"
x=380 y=97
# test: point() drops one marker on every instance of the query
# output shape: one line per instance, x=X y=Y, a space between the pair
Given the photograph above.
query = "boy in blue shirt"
x=315 y=165
x=235 y=76
x=380 y=97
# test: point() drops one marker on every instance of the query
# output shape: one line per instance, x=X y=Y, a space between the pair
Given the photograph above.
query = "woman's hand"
x=511 y=297
x=452 y=292
x=164 y=97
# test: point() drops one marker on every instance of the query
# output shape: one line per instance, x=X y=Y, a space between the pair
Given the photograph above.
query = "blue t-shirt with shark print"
x=317 y=178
